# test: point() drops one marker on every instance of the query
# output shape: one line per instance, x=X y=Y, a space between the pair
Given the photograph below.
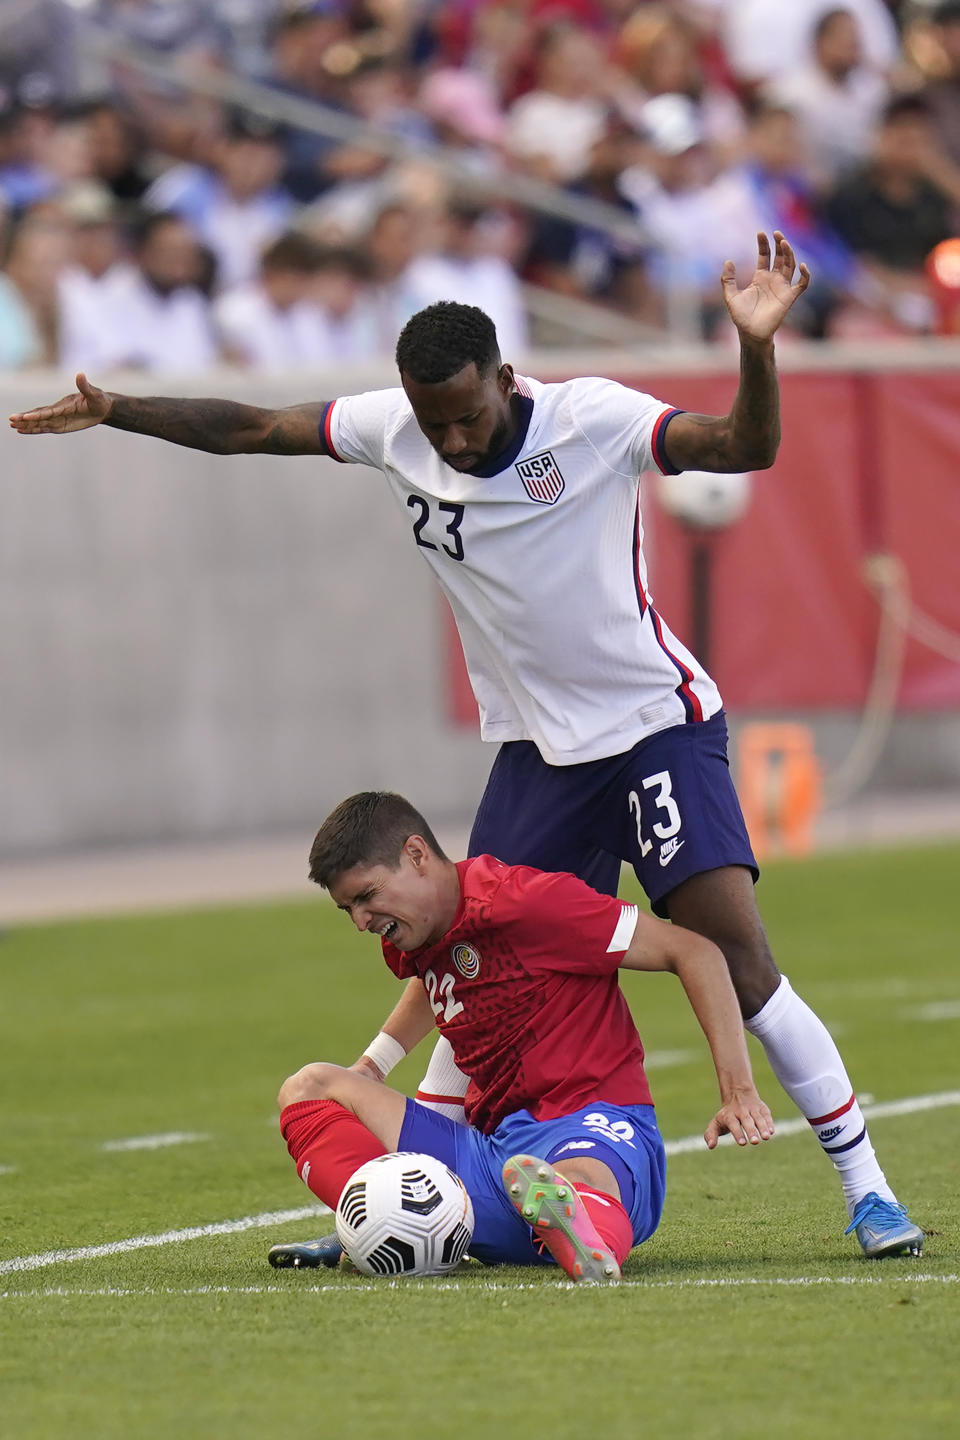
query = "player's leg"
x=590 y=1184
x=802 y=1053
x=686 y=839
x=530 y=814
x=559 y=1214
x=333 y=1121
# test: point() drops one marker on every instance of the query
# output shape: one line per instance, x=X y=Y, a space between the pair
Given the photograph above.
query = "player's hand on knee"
x=365 y=1067
x=744 y=1116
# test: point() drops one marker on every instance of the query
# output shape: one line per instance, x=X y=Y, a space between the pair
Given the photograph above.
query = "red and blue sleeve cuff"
x=657 y=442
x=326 y=432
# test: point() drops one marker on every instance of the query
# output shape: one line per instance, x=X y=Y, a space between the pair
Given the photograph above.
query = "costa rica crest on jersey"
x=466 y=959
x=541 y=478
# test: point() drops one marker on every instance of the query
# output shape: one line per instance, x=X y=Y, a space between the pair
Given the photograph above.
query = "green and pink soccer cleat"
x=553 y=1209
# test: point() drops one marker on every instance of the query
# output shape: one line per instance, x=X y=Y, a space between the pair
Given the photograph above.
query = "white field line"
x=936 y=1010
x=167 y=1237
x=690 y=1143
x=798 y=1126
x=661 y=1059
x=8 y=1169
x=891 y=1281
x=154 y=1142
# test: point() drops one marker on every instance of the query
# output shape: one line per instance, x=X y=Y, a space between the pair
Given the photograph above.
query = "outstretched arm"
x=221 y=427
x=749 y=437
x=702 y=970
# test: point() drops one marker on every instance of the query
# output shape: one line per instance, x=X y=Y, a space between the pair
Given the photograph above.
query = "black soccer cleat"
x=307 y=1254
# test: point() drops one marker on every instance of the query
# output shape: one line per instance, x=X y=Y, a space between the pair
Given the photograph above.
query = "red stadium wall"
x=868 y=462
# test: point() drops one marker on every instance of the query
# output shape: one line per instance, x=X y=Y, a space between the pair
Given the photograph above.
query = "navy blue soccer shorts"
x=625 y=1137
x=667 y=807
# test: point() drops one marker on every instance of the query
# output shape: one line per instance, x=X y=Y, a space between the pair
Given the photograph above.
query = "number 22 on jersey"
x=443 y=1002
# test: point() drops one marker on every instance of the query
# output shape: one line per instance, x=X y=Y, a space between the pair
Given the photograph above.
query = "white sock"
x=444 y=1085
x=807 y=1063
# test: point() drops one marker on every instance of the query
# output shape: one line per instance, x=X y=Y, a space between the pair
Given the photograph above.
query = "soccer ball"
x=405 y=1214
x=703 y=500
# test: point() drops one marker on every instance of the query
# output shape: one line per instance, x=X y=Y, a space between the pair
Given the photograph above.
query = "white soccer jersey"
x=542 y=563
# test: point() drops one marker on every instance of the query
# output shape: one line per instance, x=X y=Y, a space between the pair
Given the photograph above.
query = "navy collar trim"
x=505 y=459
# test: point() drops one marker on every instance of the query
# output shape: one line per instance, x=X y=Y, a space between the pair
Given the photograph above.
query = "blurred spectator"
x=97 y=254
x=275 y=321
x=116 y=148
x=152 y=313
x=657 y=54
x=391 y=245
x=466 y=268
x=590 y=264
x=39 y=54
x=765 y=39
x=773 y=191
x=43 y=146
x=942 y=94
x=187 y=32
x=342 y=289
x=836 y=97
x=36 y=251
x=237 y=207
x=895 y=209
x=302 y=38
x=552 y=129
x=375 y=91
x=463 y=109
x=491 y=38
x=694 y=219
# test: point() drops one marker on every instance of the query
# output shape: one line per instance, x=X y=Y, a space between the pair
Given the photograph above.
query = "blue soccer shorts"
x=625 y=1137
x=667 y=807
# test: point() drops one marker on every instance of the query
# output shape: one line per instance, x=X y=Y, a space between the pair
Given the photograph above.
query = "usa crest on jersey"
x=541 y=478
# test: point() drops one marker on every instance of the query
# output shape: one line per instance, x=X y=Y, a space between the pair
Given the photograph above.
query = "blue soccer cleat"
x=884 y=1228
x=307 y=1254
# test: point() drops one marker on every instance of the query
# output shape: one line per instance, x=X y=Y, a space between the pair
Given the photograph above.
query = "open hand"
x=759 y=310
x=88 y=406
x=744 y=1116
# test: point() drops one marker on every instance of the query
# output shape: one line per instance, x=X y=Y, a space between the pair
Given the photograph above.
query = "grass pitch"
x=748 y=1314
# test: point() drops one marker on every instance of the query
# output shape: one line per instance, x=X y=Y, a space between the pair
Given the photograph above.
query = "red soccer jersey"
x=524 y=986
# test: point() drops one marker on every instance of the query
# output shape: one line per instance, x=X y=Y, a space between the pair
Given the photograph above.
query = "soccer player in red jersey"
x=518 y=968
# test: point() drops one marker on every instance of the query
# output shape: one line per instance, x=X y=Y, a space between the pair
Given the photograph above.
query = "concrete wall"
x=198 y=647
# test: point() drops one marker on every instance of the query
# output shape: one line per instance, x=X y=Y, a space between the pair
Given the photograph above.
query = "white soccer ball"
x=704 y=500
x=405 y=1214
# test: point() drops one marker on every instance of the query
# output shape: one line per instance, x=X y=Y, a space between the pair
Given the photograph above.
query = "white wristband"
x=385 y=1052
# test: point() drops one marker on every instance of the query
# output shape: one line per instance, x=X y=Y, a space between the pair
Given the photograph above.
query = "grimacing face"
x=469 y=418
x=400 y=904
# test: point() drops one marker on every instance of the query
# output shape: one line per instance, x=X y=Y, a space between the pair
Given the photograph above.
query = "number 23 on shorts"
x=668 y=822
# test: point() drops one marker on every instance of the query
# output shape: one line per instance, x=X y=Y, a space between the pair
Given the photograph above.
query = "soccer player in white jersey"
x=524 y=499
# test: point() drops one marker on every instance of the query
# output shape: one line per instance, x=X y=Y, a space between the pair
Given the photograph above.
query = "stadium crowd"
x=146 y=224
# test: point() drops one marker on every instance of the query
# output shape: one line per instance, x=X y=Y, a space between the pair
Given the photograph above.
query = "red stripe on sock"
x=610 y=1220
x=327 y=1144
x=426 y=1098
x=834 y=1114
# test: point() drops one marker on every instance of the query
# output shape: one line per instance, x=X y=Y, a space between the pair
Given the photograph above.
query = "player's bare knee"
x=311 y=1082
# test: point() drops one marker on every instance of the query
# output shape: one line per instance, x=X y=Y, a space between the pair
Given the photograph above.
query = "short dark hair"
x=370 y=828
x=292 y=251
x=911 y=106
x=148 y=222
x=829 y=18
x=439 y=341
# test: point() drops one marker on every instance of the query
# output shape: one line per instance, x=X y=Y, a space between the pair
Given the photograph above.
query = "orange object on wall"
x=778 y=780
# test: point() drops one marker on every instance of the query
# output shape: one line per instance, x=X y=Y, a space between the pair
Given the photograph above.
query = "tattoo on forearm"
x=217 y=426
x=747 y=438
x=755 y=417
